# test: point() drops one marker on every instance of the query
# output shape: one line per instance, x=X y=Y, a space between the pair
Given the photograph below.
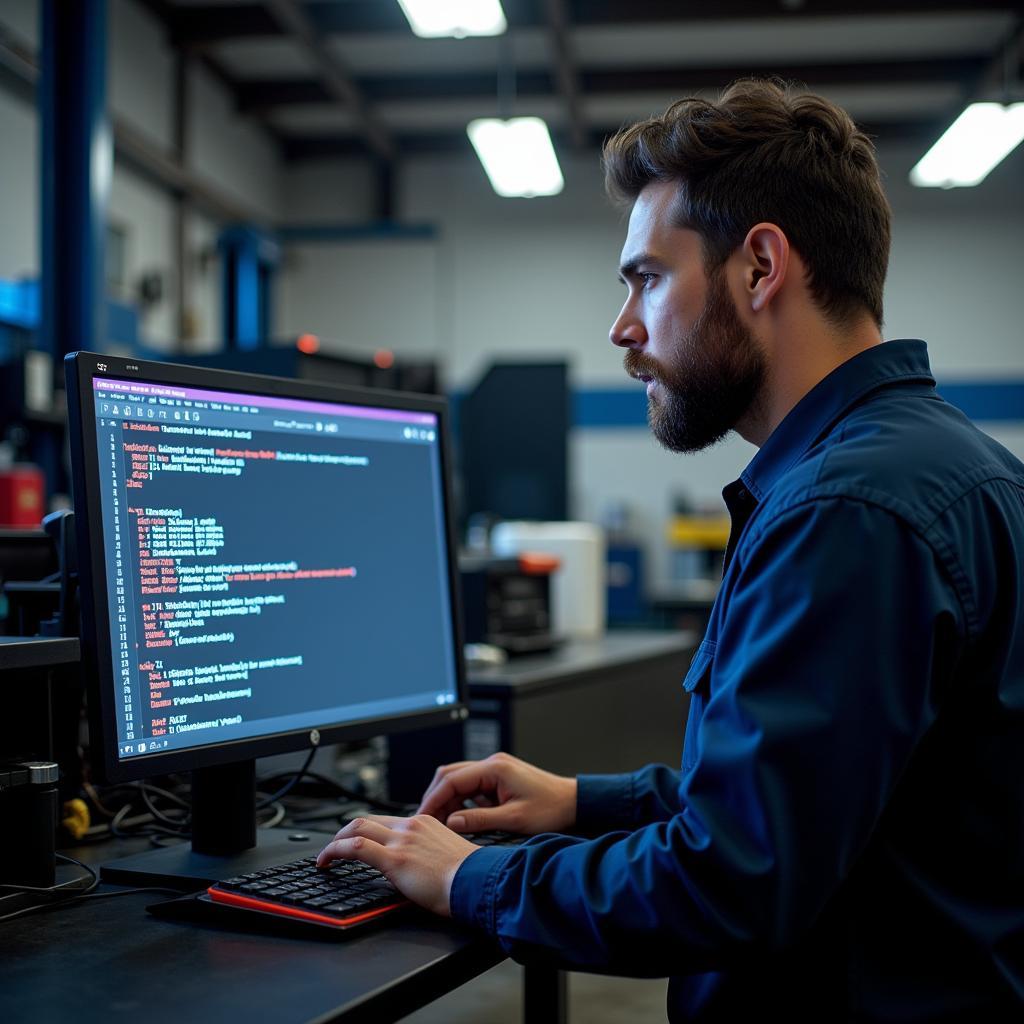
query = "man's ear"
x=765 y=253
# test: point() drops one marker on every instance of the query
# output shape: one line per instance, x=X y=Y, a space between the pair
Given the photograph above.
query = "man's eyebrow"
x=630 y=267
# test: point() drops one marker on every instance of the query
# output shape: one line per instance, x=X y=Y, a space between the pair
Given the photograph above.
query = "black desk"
x=19 y=652
x=605 y=705
x=107 y=960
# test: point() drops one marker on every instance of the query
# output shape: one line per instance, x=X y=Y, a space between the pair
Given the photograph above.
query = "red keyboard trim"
x=238 y=900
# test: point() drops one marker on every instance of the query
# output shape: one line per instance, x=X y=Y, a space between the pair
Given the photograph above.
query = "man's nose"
x=627 y=331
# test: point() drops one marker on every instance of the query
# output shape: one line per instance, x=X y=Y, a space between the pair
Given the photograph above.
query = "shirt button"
x=741 y=495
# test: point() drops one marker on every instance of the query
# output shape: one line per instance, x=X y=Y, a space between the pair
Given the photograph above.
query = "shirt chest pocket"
x=697 y=684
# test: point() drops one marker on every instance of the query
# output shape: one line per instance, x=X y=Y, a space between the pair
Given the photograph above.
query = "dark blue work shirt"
x=845 y=838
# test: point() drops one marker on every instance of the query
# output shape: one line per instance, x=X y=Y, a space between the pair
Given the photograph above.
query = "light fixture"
x=517 y=155
x=971 y=146
x=433 y=18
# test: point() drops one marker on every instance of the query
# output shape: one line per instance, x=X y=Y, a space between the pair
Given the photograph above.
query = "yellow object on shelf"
x=708 y=532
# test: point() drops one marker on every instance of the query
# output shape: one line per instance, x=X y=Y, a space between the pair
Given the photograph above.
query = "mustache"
x=637 y=365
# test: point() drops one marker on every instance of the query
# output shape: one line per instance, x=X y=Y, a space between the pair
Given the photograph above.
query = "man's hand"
x=513 y=796
x=419 y=856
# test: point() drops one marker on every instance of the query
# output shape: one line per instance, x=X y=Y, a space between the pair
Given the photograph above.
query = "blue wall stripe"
x=987 y=401
x=984 y=401
x=618 y=407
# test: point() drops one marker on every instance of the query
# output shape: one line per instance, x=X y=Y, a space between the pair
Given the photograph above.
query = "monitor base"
x=180 y=867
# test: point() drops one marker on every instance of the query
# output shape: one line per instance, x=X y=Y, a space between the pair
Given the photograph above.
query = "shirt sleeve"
x=605 y=803
x=841 y=631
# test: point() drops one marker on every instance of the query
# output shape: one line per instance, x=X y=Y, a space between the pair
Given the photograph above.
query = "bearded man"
x=843 y=840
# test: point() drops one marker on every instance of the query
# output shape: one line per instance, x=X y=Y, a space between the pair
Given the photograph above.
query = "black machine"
x=507 y=602
x=266 y=565
x=39 y=574
x=516 y=467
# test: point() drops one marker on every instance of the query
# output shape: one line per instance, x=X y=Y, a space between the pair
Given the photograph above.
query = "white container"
x=579 y=587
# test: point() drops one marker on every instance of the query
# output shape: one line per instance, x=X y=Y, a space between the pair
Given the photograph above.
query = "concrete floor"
x=496 y=998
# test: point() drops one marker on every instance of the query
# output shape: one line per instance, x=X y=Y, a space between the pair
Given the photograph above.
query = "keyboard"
x=347 y=894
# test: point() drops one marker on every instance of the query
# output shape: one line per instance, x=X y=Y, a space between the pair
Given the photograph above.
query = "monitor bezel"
x=81 y=368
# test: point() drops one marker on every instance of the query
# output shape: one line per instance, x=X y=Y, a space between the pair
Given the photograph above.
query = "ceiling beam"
x=213 y=23
x=618 y=12
x=333 y=74
x=565 y=70
x=1004 y=70
x=913 y=71
x=440 y=143
x=256 y=94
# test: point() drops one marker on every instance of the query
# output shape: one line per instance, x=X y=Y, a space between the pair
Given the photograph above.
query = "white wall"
x=205 y=287
x=229 y=150
x=140 y=72
x=327 y=192
x=22 y=16
x=396 y=285
x=19 y=196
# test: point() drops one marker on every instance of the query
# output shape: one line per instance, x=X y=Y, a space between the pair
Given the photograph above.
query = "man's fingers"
x=355 y=848
x=352 y=827
x=439 y=775
x=376 y=829
x=504 y=818
x=470 y=780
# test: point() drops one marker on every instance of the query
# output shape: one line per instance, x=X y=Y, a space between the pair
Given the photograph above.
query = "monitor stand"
x=225 y=839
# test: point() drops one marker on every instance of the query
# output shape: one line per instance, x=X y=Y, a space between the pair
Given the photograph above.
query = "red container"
x=21 y=496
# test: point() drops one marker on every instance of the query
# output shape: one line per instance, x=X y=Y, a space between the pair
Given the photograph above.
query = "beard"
x=716 y=373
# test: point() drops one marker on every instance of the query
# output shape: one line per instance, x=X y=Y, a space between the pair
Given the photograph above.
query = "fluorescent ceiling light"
x=433 y=18
x=971 y=146
x=517 y=155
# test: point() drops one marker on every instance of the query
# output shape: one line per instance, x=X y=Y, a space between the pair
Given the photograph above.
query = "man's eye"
x=646 y=278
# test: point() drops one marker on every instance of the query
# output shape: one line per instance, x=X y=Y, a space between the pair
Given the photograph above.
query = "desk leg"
x=545 y=996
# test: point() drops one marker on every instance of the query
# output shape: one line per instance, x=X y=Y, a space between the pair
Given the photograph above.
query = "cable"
x=59 y=891
x=148 y=787
x=388 y=806
x=39 y=908
x=180 y=823
x=163 y=826
x=288 y=786
x=276 y=818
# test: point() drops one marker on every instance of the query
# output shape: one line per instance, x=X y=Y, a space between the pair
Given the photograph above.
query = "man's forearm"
x=605 y=803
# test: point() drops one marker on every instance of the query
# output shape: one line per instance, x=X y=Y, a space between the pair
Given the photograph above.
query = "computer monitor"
x=266 y=565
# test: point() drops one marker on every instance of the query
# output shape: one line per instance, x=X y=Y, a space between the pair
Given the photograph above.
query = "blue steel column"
x=249 y=258
x=75 y=169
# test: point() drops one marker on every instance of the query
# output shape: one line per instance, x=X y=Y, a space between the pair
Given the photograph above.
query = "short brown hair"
x=766 y=152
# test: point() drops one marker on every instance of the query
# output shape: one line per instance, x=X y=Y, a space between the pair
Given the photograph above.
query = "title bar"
x=142 y=389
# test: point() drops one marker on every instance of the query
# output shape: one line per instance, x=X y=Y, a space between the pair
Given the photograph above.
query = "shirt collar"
x=878 y=366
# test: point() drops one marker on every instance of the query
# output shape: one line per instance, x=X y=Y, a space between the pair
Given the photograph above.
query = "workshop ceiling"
x=344 y=77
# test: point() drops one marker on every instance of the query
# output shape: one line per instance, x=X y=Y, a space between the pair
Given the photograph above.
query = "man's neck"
x=800 y=361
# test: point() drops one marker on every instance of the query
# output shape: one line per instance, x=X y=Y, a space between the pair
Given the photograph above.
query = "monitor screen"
x=267 y=558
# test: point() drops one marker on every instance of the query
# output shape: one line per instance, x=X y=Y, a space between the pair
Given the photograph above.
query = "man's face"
x=683 y=336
